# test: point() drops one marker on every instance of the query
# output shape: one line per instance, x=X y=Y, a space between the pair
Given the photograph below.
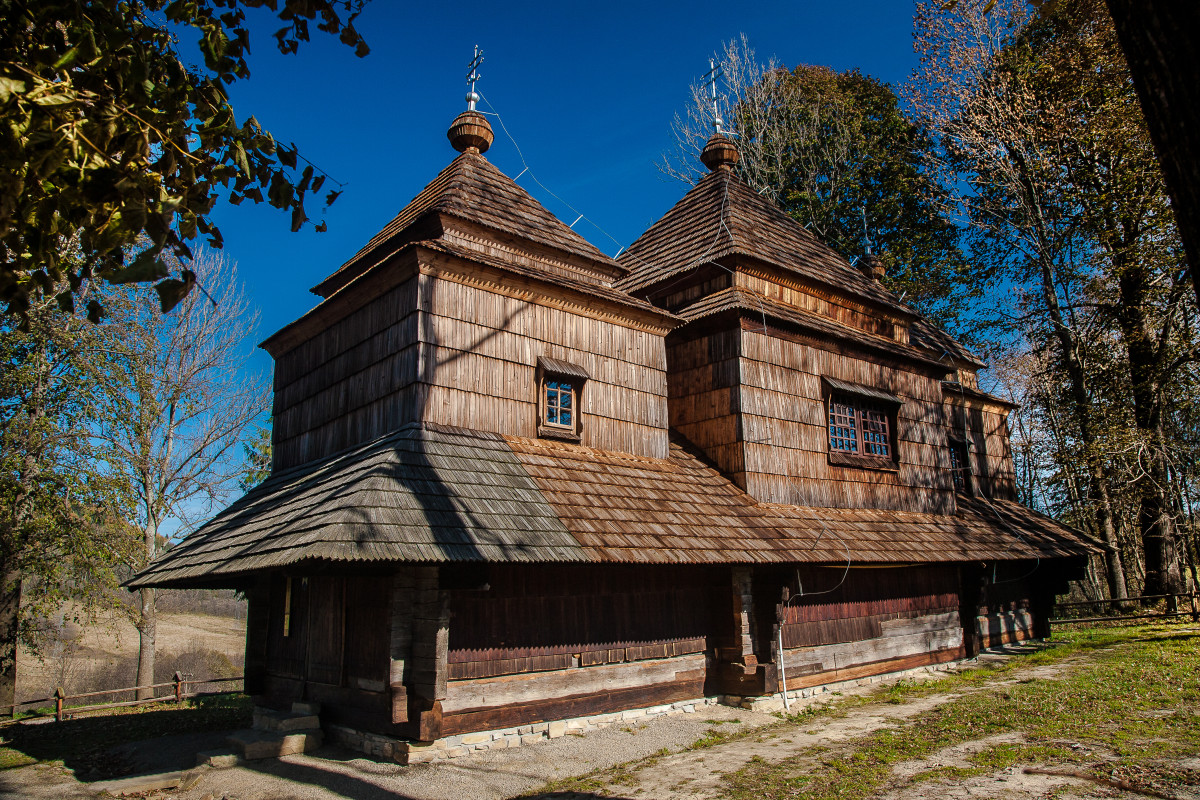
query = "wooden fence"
x=1129 y=608
x=178 y=686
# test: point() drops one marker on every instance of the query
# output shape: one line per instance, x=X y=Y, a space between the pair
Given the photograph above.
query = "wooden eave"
x=466 y=266
x=517 y=247
x=511 y=279
x=434 y=494
x=398 y=267
x=752 y=307
x=958 y=395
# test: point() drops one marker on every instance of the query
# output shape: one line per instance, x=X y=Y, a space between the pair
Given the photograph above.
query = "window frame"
x=962 y=477
x=550 y=371
x=861 y=401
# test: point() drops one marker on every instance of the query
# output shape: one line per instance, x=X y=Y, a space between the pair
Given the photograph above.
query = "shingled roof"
x=721 y=216
x=429 y=493
x=472 y=189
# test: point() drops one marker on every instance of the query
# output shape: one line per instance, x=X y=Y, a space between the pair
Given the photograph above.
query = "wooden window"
x=959 y=469
x=859 y=427
x=560 y=395
x=559 y=404
x=861 y=424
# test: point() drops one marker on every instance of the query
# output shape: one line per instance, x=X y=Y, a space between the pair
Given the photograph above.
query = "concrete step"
x=254 y=745
x=267 y=719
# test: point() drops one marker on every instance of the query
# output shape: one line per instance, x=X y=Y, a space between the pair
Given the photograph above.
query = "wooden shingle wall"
x=786 y=436
x=351 y=382
x=437 y=350
x=479 y=358
x=703 y=385
x=1001 y=476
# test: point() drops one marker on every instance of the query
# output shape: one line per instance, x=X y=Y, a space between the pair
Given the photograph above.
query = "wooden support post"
x=178 y=679
x=427 y=673
x=59 y=696
x=743 y=612
x=401 y=640
x=258 y=620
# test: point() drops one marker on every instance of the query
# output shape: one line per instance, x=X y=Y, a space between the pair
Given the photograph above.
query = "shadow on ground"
x=103 y=747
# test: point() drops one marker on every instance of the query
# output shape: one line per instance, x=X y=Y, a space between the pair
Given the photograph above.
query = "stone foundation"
x=408 y=752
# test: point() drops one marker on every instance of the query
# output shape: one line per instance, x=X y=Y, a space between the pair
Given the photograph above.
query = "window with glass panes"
x=857 y=425
x=559 y=404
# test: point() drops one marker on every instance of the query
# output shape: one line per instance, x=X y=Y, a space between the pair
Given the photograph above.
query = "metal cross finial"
x=715 y=71
x=866 y=230
x=472 y=76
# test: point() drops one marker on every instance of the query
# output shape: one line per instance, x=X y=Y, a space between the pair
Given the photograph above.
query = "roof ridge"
x=472 y=189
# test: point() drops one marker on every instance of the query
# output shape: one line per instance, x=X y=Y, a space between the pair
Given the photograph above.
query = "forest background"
x=1009 y=186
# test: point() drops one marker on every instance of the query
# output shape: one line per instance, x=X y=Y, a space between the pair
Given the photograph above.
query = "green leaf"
x=171 y=291
x=9 y=87
x=287 y=157
x=298 y=218
x=68 y=58
x=146 y=267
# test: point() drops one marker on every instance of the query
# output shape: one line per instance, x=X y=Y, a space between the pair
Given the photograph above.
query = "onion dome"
x=720 y=153
x=470 y=131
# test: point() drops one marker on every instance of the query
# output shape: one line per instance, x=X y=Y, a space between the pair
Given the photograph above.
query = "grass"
x=80 y=743
x=1126 y=706
x=1128 y=711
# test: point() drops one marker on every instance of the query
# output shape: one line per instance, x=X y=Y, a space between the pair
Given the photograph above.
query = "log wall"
x=333 y=653
x=876 y=620
x=545 y=643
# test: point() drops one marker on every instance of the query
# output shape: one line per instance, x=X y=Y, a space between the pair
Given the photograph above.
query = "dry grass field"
x=103 y=654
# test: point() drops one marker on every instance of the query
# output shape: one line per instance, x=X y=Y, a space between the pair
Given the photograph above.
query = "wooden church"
x=517 y=483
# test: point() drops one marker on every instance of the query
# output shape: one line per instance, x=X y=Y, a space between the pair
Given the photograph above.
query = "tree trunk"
x=10 y=606
x=1114 y=567
x=147 y=628
x=1156 y=523
x=147 y=613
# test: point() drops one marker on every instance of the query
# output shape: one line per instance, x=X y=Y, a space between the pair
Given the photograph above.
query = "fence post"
x=59 y=696
x=1195 y=610
x=178 y=687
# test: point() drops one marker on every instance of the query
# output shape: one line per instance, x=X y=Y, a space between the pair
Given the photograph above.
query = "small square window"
x=559 y=406
x=859 y=426
x=560 y=394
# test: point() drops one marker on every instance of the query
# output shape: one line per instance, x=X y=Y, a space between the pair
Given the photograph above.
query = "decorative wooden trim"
x=546 y=293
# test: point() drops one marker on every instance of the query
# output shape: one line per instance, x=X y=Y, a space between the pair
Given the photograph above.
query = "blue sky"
x=588 y=92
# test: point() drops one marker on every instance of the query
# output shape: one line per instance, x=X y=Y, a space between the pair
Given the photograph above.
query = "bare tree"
x=183 y=402
x=759 y=103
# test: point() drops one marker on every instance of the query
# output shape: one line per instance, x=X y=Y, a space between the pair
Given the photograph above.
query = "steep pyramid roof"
x=722 y=216
x=472 y=189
